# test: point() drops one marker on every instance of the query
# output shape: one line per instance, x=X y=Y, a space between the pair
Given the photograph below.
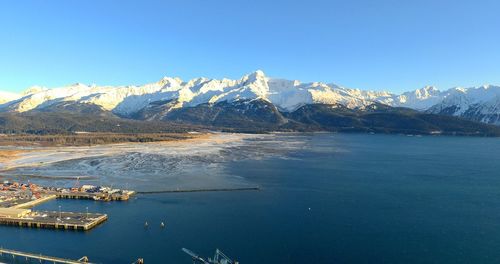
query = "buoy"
x=162 y=224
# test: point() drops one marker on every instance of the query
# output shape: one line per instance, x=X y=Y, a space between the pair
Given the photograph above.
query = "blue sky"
x=380 y=45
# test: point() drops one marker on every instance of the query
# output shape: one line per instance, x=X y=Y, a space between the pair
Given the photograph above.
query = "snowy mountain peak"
x=487 y=86
x=426 y=92
x=34 y=89
x=169 y=82
x=8 y=96
x=287 y=95
x=419 y=99
x=258 y=74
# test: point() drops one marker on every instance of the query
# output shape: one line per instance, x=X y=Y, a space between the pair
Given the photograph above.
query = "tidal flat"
x=153 y=166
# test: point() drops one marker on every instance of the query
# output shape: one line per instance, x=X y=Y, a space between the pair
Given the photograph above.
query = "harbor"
x=17 y=199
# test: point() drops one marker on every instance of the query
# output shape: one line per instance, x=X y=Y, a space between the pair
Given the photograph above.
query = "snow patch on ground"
x=153 y=166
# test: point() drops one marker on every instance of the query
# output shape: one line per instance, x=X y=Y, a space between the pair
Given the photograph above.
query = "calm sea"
x=339 y=199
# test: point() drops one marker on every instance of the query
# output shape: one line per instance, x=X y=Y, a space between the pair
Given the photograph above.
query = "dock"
x=55 y=220
x=92 y=196
x=4 y=253
x=16 y=199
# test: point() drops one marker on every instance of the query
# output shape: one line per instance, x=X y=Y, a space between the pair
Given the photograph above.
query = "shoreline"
x=36 y=156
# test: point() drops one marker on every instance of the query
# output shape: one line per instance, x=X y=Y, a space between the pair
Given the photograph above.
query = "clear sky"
x=393 y=45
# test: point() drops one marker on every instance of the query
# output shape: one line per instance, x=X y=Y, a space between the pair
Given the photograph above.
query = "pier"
x=256 y=188
x=53 y=220
x=39 y=257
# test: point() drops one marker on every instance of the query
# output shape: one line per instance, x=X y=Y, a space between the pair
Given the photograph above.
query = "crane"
x=219 y=258
x=76 y=186
x=195 y=256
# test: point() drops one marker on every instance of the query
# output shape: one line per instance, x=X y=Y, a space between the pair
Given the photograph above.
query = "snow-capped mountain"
x=478 y=104
x=7 y=97
x=125 y=100
x=481 y=103
x=420 y=99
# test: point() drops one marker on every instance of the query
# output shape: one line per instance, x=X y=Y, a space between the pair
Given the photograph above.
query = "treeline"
x=88 y=139
x=66 y=123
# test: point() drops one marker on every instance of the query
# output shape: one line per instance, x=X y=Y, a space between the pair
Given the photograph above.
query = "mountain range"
x=256 y=102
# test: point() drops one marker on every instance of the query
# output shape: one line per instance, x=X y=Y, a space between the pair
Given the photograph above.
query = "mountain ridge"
x=476 y=103
x=247 y=116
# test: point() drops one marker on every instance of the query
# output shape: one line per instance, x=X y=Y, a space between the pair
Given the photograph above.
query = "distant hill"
x=253 y=116
x=385 y=119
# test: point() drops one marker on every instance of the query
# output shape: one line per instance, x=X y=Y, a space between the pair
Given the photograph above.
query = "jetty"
x=255 y=188
x=13 y=254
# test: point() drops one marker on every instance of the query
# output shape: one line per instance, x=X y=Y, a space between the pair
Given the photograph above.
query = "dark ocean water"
x=339 y=199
